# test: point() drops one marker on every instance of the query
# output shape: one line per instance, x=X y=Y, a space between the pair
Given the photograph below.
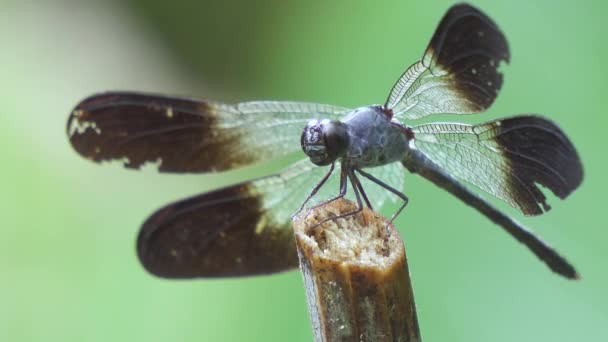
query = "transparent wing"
x=285 y=193
x=507 y=158
x=392 y=174
x=243 y=229
x=459 y=72
x=185 y=135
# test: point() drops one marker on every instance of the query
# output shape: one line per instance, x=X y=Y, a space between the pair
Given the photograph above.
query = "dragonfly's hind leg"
x=398 y=193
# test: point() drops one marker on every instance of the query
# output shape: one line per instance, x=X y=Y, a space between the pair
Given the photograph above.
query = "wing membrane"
x=507 y=158
x=459 y=70
x=244 y=229
x=185 y=135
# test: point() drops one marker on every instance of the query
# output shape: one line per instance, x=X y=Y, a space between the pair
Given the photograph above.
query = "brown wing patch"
x=537 y=152
x=179 y=134
x=222 y=233
x=469 y=46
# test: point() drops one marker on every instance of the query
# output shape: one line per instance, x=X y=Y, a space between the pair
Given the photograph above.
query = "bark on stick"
x=356 y=276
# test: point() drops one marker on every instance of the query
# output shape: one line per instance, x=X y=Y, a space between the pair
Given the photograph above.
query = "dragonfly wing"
x=459 y=72
x=243 y=229
x=185 y=135
x=507 y=158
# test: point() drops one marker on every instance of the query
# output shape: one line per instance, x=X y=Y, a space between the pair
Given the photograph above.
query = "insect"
x=244 y=229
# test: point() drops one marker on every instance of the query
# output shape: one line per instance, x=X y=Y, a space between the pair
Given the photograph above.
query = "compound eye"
x=313 y=143
x=318 y=155
x=313 y=133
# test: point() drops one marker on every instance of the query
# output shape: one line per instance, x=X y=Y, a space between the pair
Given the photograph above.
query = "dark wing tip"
x=216 y=234
x=470 y=46
x=538 y=152
x=464 y=25
x=177 y=134
x=81 y=129
x=87 y=107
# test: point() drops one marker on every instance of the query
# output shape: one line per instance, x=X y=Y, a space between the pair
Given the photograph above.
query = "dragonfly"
x=245 y=228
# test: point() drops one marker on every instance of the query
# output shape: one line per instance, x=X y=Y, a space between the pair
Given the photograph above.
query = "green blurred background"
x=67 y=260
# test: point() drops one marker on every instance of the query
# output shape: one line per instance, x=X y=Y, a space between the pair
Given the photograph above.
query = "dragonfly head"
x=324 y=141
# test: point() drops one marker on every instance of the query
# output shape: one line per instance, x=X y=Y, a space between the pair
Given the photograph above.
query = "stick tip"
x=365 y=238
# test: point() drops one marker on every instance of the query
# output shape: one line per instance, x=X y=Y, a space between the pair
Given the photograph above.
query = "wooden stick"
x=356 y=277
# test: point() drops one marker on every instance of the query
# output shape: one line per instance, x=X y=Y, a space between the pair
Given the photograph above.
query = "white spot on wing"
x=261 y=225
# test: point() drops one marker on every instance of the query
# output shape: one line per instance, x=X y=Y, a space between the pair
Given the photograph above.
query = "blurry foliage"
x=216 y=38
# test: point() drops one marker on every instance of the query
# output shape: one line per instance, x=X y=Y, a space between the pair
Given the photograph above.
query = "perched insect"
x=244 y=229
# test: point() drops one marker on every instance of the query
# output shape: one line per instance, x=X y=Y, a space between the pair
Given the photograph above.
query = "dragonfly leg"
x=357 y=184
x=356 y=187
x=398 y=193
x=343 y=188
x=315 y=189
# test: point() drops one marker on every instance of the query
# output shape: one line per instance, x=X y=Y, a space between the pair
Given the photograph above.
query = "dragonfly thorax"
x=375 y=139
x=324 y=141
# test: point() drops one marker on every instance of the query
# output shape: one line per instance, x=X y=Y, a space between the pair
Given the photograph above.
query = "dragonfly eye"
x=324 y=141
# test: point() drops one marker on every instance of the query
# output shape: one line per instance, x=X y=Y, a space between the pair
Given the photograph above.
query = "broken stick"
x=356 y=276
